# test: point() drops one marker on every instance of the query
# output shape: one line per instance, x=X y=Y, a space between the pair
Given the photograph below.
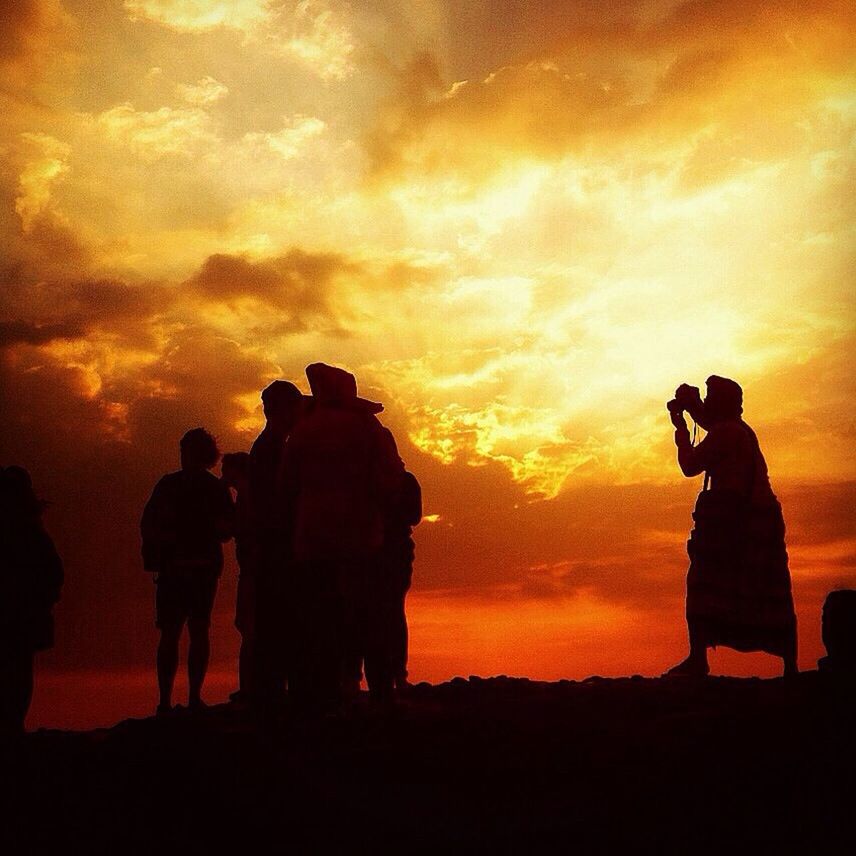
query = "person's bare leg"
x=198 y=655
x=167 y=661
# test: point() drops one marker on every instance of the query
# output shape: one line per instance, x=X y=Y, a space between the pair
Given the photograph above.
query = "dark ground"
x=496 y=765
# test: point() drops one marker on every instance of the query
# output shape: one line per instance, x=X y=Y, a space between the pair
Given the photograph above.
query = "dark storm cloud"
x=195 y=381
x=40 y=312
x=27 y=332
x=299 y=282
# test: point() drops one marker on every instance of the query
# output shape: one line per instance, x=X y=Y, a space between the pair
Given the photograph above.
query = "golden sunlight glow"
x=520 y=225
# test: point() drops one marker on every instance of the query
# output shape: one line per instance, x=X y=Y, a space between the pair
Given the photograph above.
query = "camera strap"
x=706 y=472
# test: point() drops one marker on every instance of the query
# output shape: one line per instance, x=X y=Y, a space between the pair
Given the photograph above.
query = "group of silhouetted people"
x=322 y=518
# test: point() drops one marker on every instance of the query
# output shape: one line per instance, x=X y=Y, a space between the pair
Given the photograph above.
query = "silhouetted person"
x=185 y=522
x=399 y=553
x=839 y=633
x=235 y=473
x=382 y=620
x=738 y=585
x=282 y=403
x=342 y=469
x=31 y=578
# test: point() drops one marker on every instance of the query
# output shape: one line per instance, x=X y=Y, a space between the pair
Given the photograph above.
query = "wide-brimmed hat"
x=332 y=385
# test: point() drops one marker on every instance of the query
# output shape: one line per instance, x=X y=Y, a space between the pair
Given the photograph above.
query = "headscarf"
x=724 y=398
x=332 y=386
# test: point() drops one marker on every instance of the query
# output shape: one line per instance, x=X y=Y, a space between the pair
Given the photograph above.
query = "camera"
x=686 y=398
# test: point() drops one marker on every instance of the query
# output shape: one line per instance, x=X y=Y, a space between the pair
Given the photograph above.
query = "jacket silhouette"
x=341 y=473
x=185 y=522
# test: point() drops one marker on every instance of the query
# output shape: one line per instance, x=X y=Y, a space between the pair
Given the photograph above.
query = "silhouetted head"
x=334 y=387
x=235 y=469
x=724 y=400
x=282 y=402
x=198 y=450
x=17 y=498
x=838 y=627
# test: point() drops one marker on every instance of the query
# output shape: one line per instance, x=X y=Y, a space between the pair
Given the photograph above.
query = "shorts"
x=185 y=597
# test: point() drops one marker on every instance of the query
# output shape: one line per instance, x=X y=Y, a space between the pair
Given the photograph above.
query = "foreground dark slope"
x=500 y=765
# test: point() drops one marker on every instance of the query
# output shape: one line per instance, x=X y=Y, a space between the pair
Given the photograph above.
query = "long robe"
x=738 y=584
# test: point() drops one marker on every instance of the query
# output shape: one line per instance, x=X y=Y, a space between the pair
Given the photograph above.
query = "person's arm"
x=388 y=466
x=51 y=570
x=151 y=530
x=412 y=499
x=40 y=568
x=226 y=518
x=692 y=460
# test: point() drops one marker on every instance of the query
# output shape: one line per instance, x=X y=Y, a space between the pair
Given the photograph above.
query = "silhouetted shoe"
x=196 y=705
x=164 y=710
x=688 y=669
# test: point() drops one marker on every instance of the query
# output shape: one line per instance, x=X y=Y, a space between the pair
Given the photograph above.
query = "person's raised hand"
x=676 y=414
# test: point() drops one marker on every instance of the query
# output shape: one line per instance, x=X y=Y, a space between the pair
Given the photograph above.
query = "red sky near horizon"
x=520 y=225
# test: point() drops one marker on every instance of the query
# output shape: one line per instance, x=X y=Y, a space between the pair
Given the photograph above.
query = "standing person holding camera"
x=738 y=584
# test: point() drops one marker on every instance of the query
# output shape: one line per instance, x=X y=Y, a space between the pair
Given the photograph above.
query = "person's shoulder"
x=260 y=441
x=168 y=481
x=212 y=482
x=266 y=444
x=726 y=429
x=43 y=539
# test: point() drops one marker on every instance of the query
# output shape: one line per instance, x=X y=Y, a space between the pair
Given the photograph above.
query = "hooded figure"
x=738 y=584
x=341 y=472
x=341 y=469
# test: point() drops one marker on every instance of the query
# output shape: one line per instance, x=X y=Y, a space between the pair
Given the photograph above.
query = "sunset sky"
x=520 y=224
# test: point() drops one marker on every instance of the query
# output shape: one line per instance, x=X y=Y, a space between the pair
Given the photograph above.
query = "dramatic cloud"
x=311 y=32
x=199 y=15
x=298 y=281
x=156 y=133
x=39 y=175
x=206 y=91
